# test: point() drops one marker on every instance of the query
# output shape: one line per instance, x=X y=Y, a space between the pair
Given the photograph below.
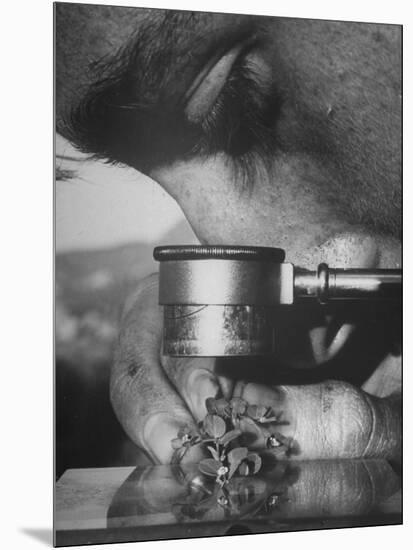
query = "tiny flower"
x=279 y=444
x=273 y=442
x=222 y=471
x=221 y=478
x=186 y=437
x=223 y=501
x=186 y=432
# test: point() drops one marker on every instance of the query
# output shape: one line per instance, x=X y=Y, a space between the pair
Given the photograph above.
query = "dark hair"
x=133 y=112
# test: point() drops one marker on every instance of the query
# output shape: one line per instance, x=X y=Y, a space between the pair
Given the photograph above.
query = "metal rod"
x=328 y=284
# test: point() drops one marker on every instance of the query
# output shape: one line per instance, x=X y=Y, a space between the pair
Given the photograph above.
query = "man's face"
x=333 y=180
x=279 y=132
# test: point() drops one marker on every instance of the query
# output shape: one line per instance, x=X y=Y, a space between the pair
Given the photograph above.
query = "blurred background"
x=108 y=220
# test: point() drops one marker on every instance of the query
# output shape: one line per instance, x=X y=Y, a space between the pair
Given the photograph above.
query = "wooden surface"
x=132 y=504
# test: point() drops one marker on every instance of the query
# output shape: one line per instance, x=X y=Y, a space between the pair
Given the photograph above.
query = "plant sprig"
x=222 y=432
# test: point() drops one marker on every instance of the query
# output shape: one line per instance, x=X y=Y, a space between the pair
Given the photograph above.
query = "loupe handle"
x=327 y=284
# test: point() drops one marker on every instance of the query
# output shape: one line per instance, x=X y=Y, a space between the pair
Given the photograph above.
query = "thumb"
x=332 y=419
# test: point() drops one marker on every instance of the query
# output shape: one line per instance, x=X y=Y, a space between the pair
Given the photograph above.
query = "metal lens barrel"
x=218 y=300
x=217 y=330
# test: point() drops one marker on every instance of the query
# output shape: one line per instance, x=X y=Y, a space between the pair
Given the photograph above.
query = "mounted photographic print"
x=228 y=274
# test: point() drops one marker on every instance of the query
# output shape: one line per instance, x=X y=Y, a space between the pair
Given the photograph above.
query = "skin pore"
x=271 y=132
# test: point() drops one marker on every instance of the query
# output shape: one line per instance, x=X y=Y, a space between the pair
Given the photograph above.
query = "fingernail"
x=158 y=433
x=201 y=385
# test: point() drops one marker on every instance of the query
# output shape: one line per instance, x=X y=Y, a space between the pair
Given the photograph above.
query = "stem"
x=217 y=447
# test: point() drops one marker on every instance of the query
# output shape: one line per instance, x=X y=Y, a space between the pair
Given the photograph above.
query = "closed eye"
x=241 y=119
x=207 y=86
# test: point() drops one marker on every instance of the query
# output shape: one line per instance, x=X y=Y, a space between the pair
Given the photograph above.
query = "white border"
x=26 y=304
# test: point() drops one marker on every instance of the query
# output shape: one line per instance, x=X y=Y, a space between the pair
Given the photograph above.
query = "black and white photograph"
x=227 y=274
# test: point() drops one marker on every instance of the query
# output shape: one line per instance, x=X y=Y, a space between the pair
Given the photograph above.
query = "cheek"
x=280 y=211
x=218 y=211
x=223 y=210
x=287 y=210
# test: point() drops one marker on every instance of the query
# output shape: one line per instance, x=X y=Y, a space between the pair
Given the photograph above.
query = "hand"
x=154 y=396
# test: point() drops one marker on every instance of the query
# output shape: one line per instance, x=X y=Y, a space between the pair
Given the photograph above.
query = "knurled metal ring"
x=218 y=252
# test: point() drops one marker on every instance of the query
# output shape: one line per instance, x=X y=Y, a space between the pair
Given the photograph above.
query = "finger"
x=340 y=487
x=148 y=407
x=195 y=380
x=329 y=420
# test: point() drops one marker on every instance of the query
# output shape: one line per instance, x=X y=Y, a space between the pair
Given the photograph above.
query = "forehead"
x=88 y=33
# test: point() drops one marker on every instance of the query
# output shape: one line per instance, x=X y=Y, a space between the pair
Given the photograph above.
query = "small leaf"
x=235 y=457
x=258 y=412
x=210 y=405
x=252 y=411
x=230 y=436
x=261 y=410
x=214 y=425
x=255 y=460
x=237 y=454
x=246 y=424
x=213 y=452
x=251 y=432
x=222 y=407
x=233 y=468
x=209 y=466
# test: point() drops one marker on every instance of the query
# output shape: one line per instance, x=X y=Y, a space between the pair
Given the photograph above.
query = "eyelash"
x=242 y=119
